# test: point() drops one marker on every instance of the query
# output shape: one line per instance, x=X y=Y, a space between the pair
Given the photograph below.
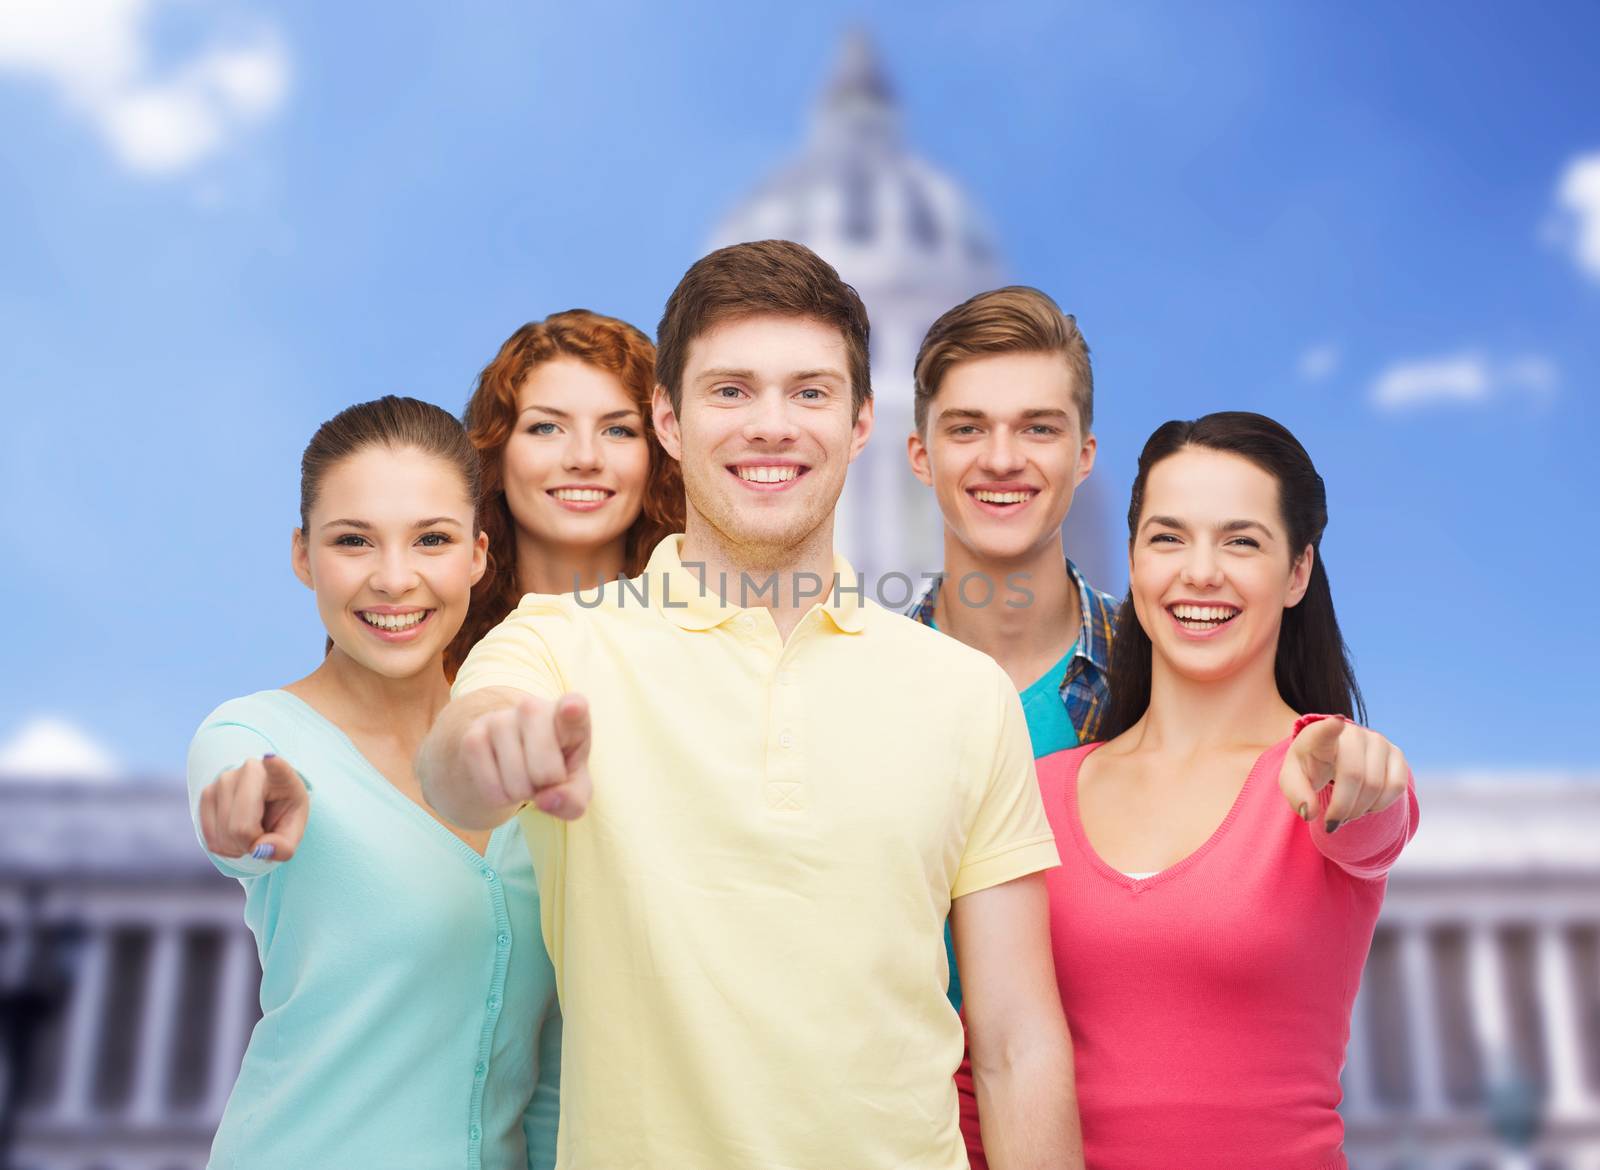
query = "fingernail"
x=555 y=804
x=1305 y=811
x=1333 y=827
x=263 y=851
x=270 y=756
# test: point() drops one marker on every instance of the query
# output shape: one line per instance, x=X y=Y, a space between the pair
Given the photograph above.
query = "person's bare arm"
x=495 y=749
x=1016 y=1032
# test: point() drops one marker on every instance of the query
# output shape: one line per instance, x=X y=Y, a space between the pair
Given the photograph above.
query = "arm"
x=1356 y=790
x=540 y=1118
x=1016 y=1033
x=495 y=749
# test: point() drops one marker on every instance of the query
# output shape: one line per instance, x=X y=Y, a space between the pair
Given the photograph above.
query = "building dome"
x=906 y=236
x=884 y=217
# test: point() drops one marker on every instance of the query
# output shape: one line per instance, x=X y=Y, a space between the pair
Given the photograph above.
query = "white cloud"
x=96 y=55
x=1578 y=207
x=50 y=748
x=1319 y=362
x=1469 y=378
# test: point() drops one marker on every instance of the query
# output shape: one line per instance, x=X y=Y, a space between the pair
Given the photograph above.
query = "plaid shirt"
x=1084 y=688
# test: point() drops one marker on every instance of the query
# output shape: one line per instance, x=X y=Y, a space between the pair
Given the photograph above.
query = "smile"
x=768 y=476
x=1201 y=618
x=998 y=501
x=393 y=627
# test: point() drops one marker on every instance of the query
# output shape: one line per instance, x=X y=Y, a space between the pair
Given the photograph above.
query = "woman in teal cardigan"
x=408 y=1005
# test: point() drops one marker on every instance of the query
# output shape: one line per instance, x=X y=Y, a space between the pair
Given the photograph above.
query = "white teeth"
x=1002 y=497
x=580 y=495
x=767 y=474
x=1203 y=613
x=394 y=621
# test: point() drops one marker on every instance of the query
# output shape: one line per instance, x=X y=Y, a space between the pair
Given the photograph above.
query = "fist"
x=535 y=751
x=1367 y=772
x=259 y=808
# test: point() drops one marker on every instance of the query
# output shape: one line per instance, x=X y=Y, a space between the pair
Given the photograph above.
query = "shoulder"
x=267 y=713
x=922 y=658
x=926 y=644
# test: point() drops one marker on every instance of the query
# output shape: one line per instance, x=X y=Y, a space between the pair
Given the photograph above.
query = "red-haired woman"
x=576 y=487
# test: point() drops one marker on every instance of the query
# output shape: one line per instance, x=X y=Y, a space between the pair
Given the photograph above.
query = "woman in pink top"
x=1221 y=870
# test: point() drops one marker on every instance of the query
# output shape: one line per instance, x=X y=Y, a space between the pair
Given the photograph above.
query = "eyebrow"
x=550 y=410
x=365 y=526
x=1225 y=526
x=1035 y=412
x=751 y=375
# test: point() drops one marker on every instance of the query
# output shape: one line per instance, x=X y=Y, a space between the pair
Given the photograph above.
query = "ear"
x=480 y=557
x=666 y=422
x=300 y=559
x=917 y=455
x=1300 y=577
x=862 y=430
x=1086 y=455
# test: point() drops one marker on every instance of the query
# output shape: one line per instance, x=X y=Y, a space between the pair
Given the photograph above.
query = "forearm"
x=447 y=784
x=1028 y=1105
x=1367 y=846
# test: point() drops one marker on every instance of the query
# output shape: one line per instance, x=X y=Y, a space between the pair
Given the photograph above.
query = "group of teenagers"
x=602 y=838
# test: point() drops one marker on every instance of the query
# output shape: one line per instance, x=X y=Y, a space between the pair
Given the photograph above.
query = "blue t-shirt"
x=1051 y=730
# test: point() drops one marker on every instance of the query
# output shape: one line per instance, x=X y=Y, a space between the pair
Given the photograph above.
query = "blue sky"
x=223 y=223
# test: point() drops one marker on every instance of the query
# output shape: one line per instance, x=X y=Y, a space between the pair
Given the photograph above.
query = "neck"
x=1189 y=716
x=547 y=568
x=803 y=571
x=1044 y=627
x=365 y=702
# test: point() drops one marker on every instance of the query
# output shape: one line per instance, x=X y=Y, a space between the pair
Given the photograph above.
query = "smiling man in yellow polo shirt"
x=746 y=866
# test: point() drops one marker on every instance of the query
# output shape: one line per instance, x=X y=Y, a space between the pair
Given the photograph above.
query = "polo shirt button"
x=494 y=1003
x=786 y=740
x=475 y=1133
x=503 y=939
x=480 y=1070
x=488 y=875
x=786 y=677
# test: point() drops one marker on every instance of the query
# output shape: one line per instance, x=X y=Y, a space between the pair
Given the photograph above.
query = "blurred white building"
x=903 y=233
x=1486 y=961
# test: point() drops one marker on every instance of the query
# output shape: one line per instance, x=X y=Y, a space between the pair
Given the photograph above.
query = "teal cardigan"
x=408 y=1006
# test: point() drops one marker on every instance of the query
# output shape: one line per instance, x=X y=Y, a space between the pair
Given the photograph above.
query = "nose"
x=1002 y=455
x=1201 y=566
x=395 y=574
x=769 y=420
x=582 y=452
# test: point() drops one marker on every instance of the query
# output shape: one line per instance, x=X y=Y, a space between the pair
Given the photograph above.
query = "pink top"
x=1210 y=1004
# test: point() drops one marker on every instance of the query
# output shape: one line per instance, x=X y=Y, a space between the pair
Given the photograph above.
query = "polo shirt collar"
x=683 y=600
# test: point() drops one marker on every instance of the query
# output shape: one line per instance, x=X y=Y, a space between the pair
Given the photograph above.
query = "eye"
x=1164 y=538
x=727 y=391
x=1045 y=429
x=435 y=539
x=349 y=540
x=618 y=431
x=813 y=394
x=964 y=429
x=1245 y=542
x=542 y=428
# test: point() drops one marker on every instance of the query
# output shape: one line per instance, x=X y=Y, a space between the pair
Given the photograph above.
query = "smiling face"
x=391 y=553
x=1003 y=452
x=764 y=433
x=577 y=460
x=1211 y=570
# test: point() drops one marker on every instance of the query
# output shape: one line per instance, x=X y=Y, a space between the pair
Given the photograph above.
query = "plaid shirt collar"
x=1084 y=687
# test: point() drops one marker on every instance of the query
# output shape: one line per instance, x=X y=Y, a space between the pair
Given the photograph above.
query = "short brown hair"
x=778 y=277
x=1014 y=319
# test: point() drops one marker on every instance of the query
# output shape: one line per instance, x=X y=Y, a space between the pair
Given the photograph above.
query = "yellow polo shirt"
x=747 y=924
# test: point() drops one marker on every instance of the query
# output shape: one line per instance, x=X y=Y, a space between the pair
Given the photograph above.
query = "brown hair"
x=400 y=424
x=745 y=280
x=1014 y=319
x=491 y=415
x=393 y=422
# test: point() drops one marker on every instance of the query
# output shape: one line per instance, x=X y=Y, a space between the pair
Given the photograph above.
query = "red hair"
x=607 y=344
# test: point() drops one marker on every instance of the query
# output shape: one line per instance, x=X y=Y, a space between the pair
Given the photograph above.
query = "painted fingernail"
x=1305 y=811
x=270 y=756
x=1333 y=827
x=263 y=851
